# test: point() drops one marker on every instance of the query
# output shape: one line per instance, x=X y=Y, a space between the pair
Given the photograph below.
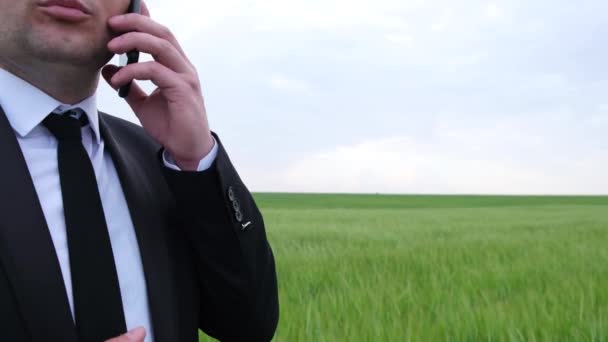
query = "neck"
x=65 y=83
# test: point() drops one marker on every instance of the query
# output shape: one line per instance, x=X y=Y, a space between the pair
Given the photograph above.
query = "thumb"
x=134 y=335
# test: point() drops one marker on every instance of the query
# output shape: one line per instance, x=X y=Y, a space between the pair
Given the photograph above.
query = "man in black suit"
x=106 y=227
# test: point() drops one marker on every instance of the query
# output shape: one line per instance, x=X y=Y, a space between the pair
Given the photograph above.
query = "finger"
x=159 y=74
x=136 y=95
x=137 y=22
x=108 y=72
x=134 y=335
x=162 y=50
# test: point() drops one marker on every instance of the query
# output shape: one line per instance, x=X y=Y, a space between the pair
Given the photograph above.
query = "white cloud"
x=400 y=39
x=284 y=83
x=281 y=15
x=399 y=165
x=603 y=107
x=443 y=21
x=368 y=166
x=493 y=10
x=599 y=120
x=463 y=155
x=493 y=96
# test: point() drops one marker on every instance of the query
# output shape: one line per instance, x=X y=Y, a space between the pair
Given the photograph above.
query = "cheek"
x=115 y=7
x=110 y=8
x=11 y=11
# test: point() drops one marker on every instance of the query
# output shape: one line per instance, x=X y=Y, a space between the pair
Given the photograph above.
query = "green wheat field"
x=439 y=268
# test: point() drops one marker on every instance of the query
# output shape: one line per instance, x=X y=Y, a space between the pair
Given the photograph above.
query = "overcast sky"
x=402 y=96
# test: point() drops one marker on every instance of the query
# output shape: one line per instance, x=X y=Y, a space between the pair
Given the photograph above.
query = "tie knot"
x=66 y=125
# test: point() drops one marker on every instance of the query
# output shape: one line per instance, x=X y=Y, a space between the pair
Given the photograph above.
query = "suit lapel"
x=27 y=252
x=150 y=228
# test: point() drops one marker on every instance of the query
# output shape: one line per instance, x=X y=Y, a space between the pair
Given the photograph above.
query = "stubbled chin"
x=54 y=43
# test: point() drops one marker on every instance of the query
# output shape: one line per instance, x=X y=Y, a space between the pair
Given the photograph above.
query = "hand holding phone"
x=174 y=112
x=131 y=56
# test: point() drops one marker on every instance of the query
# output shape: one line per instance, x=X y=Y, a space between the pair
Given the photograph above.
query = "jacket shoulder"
x=129 y=132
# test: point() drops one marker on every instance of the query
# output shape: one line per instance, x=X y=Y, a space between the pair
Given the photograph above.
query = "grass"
x=439 y=268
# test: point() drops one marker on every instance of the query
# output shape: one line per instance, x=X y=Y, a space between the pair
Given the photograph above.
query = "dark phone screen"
x=131 y=56
x=134 y=6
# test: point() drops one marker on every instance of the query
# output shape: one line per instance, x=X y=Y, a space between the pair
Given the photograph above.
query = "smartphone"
x=131 y=56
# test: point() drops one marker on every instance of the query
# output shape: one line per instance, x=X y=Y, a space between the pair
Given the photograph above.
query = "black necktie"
x=97 y=303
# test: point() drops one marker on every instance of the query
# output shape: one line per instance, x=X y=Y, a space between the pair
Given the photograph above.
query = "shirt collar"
x=26 y=106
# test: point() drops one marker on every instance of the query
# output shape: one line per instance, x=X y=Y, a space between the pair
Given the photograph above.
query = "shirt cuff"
x=203 y=165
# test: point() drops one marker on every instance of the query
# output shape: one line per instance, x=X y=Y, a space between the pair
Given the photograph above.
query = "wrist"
x=191 y=160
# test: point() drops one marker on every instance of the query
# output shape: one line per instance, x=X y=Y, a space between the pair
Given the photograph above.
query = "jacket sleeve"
x=236 y=269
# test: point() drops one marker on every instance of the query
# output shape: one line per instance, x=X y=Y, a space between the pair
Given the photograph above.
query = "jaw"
x=61 y=57
x=65 y=83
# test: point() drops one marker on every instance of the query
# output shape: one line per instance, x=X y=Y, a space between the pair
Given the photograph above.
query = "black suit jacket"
x=202 y=268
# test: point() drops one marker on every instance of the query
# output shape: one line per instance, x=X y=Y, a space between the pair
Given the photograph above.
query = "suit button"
x=236 y=205
x=231 y=194
x=238 y=216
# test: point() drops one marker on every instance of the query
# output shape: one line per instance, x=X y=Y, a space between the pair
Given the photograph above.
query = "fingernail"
x=116 y=18
x=134 y=333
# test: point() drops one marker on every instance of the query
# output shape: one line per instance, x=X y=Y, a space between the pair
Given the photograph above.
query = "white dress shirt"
x=25 y=107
